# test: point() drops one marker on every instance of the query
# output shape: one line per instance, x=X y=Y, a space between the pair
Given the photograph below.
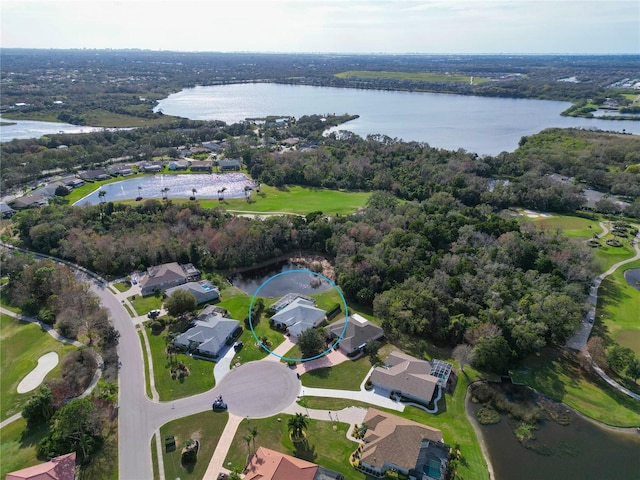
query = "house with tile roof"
x=58 y=468
x=267 y=464
x=393 y=443
x=410 y=377
x=358 y=332
x=298 y=316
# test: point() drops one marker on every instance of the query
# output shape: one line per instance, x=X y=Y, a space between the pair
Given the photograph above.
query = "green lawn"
x=557 y=374
x=237 y=303
x=121 y=286
x=199 y=380
x=297 y=200
x=206 y=427
x=21 y=345
x=326 y=447
x=144 y=305
x=145 y=361
x=18 y=451
x=618 y=307
x=571 y=226
x=18 y=448
x=345 y=376
x=411 y=76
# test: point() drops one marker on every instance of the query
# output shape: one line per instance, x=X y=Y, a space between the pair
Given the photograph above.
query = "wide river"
x=483 y=125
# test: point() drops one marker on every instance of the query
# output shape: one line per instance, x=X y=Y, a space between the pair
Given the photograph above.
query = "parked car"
x=153 y=314
x=218 y=405
x=238 y=346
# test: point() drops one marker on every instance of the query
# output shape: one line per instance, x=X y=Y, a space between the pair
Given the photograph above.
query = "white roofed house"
x=298 y=316
x=203 y=291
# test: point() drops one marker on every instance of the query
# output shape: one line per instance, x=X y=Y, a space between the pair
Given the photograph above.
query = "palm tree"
x=247 y=438
x=253 y=431
x=102 y=194
x=297 y=425
x=247 y=192
x=194 y=191
x=221 y=194
x=164 y=193
x=139 y=193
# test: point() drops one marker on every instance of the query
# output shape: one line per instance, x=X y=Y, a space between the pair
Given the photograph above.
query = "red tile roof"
x=59 y=468
x=268 y=464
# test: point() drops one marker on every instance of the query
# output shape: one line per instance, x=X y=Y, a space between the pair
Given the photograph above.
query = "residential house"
x=267 y=464
x=72 y=182
x=229 y=165
x=203 y=291
x=94 y=175
x=298 y=316
x=290 y=142
x=392 y=443
x=201 y=166
x=208 y=334
x=178 y=165
x=212 y=146
x=358 y=332
x=6 y=211
x=410 y=377
x=58 y=468
x=151 y=167
x=161 y=277
x=121 y=170
x=49 y=190
x=29 y=201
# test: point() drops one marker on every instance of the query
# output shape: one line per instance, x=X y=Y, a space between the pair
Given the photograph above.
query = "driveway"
x=259 y=389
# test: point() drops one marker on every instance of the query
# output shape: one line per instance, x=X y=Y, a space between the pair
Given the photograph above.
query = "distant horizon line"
x=254 y=52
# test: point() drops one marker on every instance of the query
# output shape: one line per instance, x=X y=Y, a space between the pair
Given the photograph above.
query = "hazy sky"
x=392 y=26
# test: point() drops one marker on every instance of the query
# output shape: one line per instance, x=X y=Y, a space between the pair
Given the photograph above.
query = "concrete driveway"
x=259 y=389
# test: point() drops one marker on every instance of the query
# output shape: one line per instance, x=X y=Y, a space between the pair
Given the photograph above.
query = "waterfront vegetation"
x=558 y=374
x=428 y=77
x=206 y=428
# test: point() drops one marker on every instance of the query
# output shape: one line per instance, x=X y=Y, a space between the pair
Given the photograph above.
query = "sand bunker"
x=46 y=363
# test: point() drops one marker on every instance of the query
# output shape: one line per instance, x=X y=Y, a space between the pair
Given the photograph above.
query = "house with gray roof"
x=167 y=275
x=203 y=291
x=410 y=377
x=29 y=201
x=298 y=316
x=230 y=164
x=358 y=332
x=208 y=335
x=93 y=175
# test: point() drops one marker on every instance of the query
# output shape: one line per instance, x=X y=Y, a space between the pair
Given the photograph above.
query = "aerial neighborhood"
x=295 y=296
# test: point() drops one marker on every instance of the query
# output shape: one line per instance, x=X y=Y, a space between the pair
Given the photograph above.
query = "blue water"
x=180 y=186
x=483 y=125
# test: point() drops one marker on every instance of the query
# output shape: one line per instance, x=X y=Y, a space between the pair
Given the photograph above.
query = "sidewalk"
x=216 y=464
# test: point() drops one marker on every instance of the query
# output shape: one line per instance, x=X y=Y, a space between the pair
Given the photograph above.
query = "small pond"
x=581 y=450
x=632 y=276
x=179 y=186
x=296 y=282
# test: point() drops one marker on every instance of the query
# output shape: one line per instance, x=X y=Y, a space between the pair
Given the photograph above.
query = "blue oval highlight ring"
x=320 y=355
